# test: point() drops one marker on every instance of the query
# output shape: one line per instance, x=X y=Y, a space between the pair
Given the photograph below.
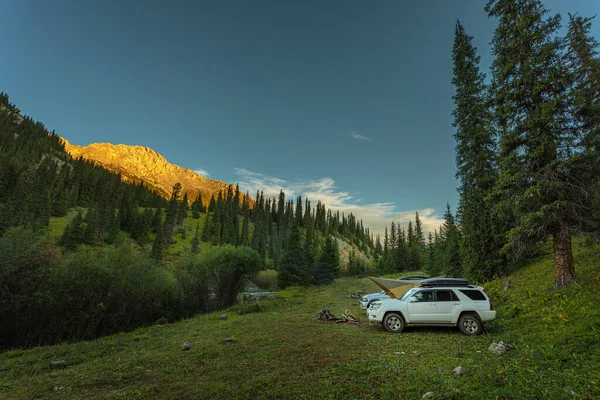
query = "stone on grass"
x=427 y=395
x=228 y=340
x=186 y=346
x=223 y=316
x=59 y=363
x=500 y=347
x=460 y=371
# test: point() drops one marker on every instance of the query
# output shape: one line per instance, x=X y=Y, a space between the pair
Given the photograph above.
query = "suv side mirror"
x=412 y=300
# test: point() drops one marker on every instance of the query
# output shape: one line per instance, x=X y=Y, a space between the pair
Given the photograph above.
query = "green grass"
x=58 y=224
x=283 y=352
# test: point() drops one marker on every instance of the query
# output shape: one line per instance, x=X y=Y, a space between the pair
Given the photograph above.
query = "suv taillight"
x=491 y=306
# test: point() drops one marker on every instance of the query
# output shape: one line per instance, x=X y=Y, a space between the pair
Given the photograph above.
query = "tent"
x=393 y=287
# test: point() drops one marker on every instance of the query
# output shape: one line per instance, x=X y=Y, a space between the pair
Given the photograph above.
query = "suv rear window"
x=473 y=294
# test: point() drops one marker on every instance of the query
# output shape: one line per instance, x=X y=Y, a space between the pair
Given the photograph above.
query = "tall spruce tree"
x=196 y=241
x=539 y=176
x=158 y=244
x=482 y=237
x=294 y=268
x=584 y=102
x=450 y=245
x=328 y=267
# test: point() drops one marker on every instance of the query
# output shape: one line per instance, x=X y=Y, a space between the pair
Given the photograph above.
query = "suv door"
x=447 y=304
x=422 y=310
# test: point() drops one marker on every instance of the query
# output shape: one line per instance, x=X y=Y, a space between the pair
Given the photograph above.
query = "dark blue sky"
x=265 y=93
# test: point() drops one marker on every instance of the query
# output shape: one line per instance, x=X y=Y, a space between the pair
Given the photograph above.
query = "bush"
x=266 y=280
x=194 y=278
x=99 y=291
x=213 y=279
x=96 y=291
x=26 y=264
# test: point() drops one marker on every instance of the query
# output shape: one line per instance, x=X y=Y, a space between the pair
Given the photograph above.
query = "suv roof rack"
x=437 y=282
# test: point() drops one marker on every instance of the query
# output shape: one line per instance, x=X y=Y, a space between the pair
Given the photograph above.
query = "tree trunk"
x=564 y=268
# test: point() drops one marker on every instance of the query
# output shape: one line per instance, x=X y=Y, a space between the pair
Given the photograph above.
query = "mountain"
x=142 y=164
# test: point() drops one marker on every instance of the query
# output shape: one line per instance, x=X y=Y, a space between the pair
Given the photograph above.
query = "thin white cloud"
x=376 y=216
x=361 y=137
x=201 y=171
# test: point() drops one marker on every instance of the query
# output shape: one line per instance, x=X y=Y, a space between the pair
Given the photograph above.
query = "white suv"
x=439 y=302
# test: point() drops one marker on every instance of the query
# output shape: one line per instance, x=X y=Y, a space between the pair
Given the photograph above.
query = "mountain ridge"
x=137 y=163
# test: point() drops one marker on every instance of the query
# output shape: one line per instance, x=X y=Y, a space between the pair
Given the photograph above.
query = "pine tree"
x=212 y=204
x=298 y=214
x=156 y=219
x=329 y=263
x=584 y=100
x=401 y=251
x=450 y=245
x=430 y=263
x=294 y=269
x=114 y=231
x=196 y=241
x=245 y=235
x=171 y=216
x=482 y=237
x=73 y=233
x=158 y=244
x=540 y=172
x=206 y=232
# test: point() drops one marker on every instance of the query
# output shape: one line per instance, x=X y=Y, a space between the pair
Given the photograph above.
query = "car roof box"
x=436 y=282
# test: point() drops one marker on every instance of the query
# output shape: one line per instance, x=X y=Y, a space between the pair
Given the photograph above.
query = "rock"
x=427 y=395
x=498 y=348
x=59 y=363
x=186 y=346
x=398 y=353
x=460 y=371
x=228 y=340
x=223 y=316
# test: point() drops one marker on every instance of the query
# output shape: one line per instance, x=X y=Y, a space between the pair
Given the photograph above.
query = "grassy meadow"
x=281 y=351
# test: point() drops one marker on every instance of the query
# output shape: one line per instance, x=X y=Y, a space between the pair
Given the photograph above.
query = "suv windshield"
x=409 y=293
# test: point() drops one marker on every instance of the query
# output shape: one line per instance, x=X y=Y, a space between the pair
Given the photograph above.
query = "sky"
x=347 y=102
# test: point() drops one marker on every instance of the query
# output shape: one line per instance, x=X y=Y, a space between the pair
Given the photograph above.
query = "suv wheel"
x=393 y=322
x=470 y=324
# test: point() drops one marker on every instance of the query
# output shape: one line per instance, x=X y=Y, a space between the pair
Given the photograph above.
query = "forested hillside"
x=38 y=179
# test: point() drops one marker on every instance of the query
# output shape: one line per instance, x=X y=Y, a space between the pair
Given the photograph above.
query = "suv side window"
x=424 y=295
x=446 y=295
x=473 y=294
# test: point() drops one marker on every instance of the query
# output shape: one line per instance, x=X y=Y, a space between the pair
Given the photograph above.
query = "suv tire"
x=393 y=322
x=470 y=324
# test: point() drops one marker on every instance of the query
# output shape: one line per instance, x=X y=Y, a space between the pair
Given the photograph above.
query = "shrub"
x=99 y=291
x=26 y=264
x=213 y=279
x=195 y=283
x=266 y=280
